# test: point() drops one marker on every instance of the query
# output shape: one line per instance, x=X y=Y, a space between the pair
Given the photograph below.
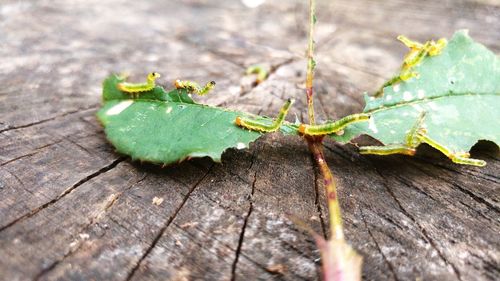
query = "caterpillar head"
x=153 y=76
x=178 y=84
x=237 y=121
x=302 y=129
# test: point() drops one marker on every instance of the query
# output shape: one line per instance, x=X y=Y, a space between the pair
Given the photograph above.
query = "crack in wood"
x=64 y=193
x=390 y=221
x=287 y=245
x=238 y=252
x=491 y=269
x=413 y=186
x=21 y=182
x=18 y=158
x=472 y=195
x=493 y=178
x=70 y=140
x=406 y=213
x=245 y=221
x=93 y=220
x=243 y=228
x=318 y=205
x=55 y=263
x=165 y=226
x=476 y=197
x=35 y=151
x=422 y=229
x=316 y=197
x=125 y=228
x=9 y=128
x=193 y=239
x=389 y=264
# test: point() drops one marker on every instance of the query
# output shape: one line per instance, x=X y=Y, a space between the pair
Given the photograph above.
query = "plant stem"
x=311 y=64
x=336 y=229
x=315 y=143
x=339 y=261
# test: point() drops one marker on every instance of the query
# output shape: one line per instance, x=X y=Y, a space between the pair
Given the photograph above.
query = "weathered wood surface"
x=72 y=209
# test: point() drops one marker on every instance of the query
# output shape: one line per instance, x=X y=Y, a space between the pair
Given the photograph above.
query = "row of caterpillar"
x=414 y=137
x=150 y=84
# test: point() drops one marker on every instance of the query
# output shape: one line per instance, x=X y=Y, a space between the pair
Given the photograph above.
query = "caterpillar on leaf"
x=414 y=57
x=332 y=127
x=194 y=87
x=136 y=88
x=412 y=140
x=416 y=136
x=256 y=125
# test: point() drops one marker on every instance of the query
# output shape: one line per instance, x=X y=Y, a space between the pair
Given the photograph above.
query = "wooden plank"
x=66 y=221
x=129 y=228
x=270 y=242
x=72 y=209
x=45 y=162
x=421 y=224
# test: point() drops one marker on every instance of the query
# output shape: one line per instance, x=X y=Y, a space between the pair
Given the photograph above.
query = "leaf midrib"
x=419 y=101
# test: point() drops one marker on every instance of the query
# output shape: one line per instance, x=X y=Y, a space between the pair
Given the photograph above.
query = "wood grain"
x=73 y=209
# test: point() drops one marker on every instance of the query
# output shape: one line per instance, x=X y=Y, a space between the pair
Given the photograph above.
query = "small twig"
x=315 y=143
x=311 y=64
x=339 y=261
x=316 y=148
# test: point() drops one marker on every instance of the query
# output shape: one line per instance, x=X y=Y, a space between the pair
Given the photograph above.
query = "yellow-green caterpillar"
x=416 y=136
x=332 y=127
x=414 y=57
x=194 y=87
x=457 y=157
x=256 y=125
x=412 y=140
x=136 y=88
x=260 y=71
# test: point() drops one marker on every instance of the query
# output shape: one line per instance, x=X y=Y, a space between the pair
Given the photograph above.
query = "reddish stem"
x=316 y=148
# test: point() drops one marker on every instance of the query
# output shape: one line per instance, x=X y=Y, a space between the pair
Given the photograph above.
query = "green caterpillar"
x=456 y=157
x=416 y=136
x=194 y=87
x=256 y=125
x=414 y=57
x=136 y=88
x=260 y=71
x=412 y=140
x=332 y=127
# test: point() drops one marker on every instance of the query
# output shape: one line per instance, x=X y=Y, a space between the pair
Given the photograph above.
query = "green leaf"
x=166 y=127
x=458 y=89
